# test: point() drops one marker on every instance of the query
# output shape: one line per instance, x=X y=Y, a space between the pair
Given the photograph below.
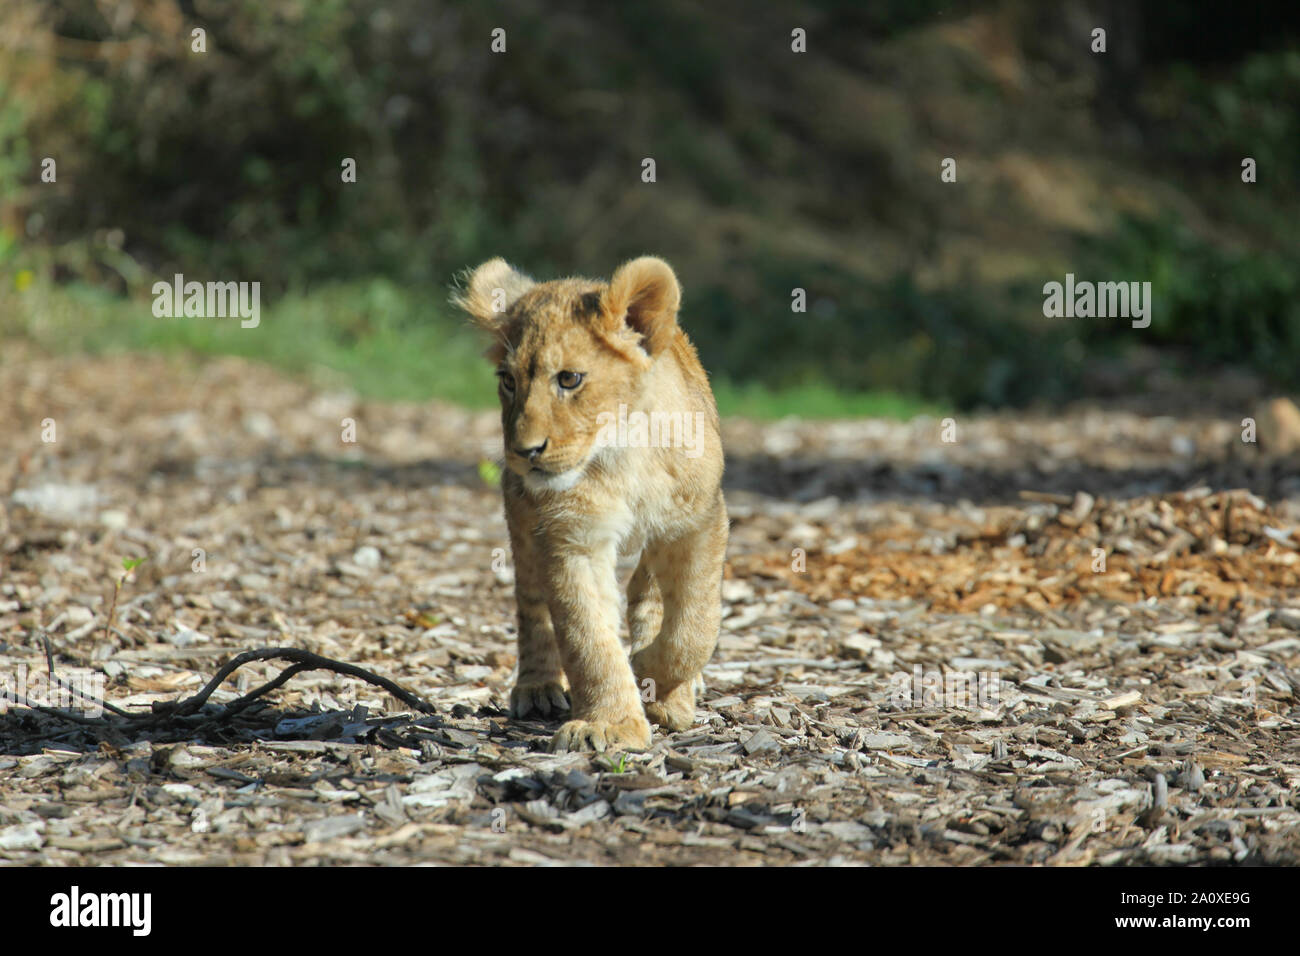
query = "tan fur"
x=574 y=506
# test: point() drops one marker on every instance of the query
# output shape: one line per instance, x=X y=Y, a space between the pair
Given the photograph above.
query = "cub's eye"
x=507 y=380
x=570 y=380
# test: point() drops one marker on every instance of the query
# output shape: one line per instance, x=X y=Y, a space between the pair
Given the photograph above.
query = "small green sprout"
x=620 y=767
x=128 y=565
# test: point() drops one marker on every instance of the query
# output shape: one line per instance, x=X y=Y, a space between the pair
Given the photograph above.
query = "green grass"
x=813 y=400
x=382 y=340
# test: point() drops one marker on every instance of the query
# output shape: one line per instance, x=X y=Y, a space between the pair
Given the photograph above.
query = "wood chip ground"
x=860 y=552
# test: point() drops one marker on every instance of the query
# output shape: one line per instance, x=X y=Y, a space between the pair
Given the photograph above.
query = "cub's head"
x=567 y=351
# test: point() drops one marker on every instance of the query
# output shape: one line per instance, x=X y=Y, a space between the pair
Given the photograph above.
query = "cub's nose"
x=532 y=453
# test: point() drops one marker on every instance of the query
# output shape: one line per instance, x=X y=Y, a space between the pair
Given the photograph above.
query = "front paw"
x=631 y=733
x=542 y=698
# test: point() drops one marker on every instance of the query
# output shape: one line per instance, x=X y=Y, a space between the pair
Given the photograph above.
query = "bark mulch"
x=1067 y=640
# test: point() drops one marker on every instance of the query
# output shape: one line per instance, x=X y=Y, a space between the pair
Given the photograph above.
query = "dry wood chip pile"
x=1225 y=549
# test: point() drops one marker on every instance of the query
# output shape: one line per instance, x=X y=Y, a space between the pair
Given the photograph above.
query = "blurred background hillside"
x=775 y=170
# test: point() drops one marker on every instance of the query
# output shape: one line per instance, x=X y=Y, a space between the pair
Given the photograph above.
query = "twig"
x=112 y=610
x=65 y=714
x=60 y=682
x=167 y=710
x=235 y=706
x=308 y=661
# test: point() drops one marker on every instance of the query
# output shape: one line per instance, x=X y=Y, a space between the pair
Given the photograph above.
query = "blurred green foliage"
x=775 y=171
x=1213 y=304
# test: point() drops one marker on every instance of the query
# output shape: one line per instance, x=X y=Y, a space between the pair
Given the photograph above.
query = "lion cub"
x=612 y=447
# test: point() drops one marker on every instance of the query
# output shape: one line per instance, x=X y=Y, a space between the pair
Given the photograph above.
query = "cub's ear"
x=488 y=291
x=644 y=296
